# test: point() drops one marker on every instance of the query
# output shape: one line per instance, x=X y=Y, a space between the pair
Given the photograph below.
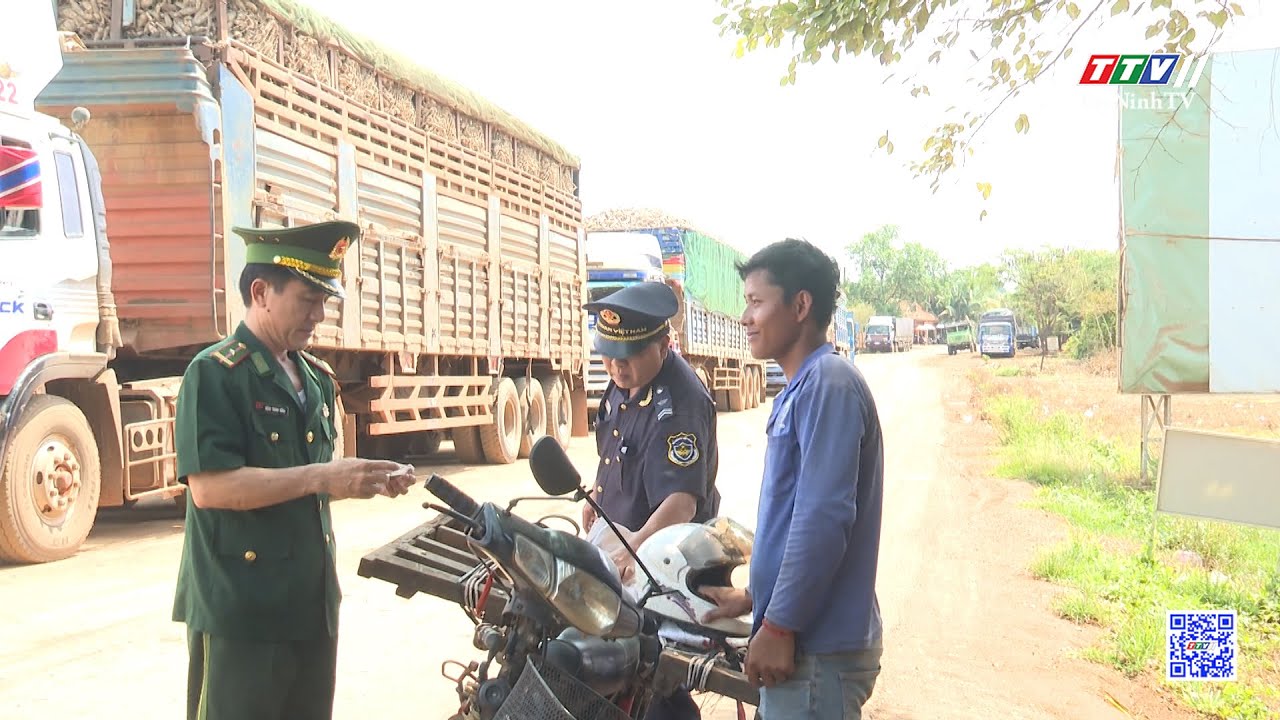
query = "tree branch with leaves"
x=889 y=30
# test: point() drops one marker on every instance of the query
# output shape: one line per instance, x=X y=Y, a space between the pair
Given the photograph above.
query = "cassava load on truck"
x=707 y=330
x=463 y=300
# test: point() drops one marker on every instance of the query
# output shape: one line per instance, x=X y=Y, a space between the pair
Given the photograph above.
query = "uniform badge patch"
x=265 y=409
x=610 y=317
x=682 y=449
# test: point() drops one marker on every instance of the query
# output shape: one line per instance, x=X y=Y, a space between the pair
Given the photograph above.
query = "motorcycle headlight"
x=588 y=604
x=585 y=602
x=535 y=562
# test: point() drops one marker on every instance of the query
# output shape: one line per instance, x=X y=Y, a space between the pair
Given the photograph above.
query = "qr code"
x=1202 y=645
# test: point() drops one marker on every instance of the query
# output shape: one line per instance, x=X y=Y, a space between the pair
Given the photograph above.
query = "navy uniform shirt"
x=661 y=442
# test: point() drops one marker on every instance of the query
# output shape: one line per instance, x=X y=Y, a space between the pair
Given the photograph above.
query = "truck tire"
x=737 y=399
x=559 y=410
x=466 y=445
x=748 y=388
x=533 y=406
x=762 y=388
x=501 y=437
x=49 y=483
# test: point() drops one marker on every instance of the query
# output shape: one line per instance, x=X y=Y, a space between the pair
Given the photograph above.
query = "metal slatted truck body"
x=462 y=314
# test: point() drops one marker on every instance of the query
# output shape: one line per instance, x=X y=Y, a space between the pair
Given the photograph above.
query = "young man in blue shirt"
x=815 y=649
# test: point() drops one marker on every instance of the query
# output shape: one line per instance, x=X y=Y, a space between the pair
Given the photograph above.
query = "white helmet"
x=688 y=556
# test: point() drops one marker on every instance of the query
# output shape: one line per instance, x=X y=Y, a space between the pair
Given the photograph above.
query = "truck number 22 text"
x=8 y=92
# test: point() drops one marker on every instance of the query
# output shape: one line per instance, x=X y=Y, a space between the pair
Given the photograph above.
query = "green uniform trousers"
x=248 y=680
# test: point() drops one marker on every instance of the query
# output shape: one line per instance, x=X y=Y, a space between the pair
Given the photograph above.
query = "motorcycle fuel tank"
x=604 y=665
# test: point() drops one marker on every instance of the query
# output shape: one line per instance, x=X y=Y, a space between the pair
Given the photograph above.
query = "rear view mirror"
x=552 y=468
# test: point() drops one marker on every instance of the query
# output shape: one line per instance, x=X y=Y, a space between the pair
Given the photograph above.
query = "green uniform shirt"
x=266 y=574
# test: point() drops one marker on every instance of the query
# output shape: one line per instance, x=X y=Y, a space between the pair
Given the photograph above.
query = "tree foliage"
x=1065 y=291
x=887 y=272
x=1023 y=36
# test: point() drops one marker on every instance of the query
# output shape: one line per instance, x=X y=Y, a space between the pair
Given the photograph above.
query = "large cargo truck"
x=462 y=314
x=843 y=332
x=708 y=330
x=904 y=334
x=997 y=333
x=881 y=334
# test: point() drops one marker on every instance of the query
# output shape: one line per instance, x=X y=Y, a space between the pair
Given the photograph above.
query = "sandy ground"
x=969 y=634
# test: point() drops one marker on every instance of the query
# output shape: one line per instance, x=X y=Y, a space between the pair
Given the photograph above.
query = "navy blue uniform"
x=660 y=443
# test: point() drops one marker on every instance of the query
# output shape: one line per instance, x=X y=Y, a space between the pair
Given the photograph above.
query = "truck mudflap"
x=434 y=559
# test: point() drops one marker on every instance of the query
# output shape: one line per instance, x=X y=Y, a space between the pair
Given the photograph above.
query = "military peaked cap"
x=314 y=252
x=630 y=318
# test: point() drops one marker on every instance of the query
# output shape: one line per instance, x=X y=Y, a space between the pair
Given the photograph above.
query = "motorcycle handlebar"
x=452 y=496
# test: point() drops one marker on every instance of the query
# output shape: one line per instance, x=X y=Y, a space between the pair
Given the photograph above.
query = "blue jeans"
x=824 y=687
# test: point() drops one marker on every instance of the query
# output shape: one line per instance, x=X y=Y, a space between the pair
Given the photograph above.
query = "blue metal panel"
x=237 y=181
x=136 y=76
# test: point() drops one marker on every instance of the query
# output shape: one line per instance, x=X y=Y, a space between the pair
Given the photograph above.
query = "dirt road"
x=968 y=632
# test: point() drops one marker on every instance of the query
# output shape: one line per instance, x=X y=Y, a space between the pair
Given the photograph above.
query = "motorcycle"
x=564 y=638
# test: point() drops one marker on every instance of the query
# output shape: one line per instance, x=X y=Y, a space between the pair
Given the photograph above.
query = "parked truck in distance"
x=997 y=333
x=462 y=314
x=843 y=332
x=707 y=331
x=1028 y=336
x=904 y=334
x=958 y=335
x=881 y=334
x=886 y=333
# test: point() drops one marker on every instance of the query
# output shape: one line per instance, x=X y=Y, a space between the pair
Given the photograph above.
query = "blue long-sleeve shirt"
x=817 y=540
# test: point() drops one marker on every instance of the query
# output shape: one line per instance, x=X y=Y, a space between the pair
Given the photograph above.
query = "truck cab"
x=614 y=261
x=57 y=322
x=881 y=334
x=48 y=259
x=997 y=333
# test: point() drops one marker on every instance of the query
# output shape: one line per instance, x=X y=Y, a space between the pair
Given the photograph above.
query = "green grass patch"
x=1123 y=578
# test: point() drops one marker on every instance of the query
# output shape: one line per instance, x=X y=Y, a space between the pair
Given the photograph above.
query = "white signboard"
x=30 y=54
x=1220 y=477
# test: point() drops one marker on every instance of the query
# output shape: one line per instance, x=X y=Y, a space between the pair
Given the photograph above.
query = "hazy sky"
x=662 y=115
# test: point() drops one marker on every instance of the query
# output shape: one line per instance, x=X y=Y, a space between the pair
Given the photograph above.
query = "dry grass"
x=1069 y=430
x=1090 y=389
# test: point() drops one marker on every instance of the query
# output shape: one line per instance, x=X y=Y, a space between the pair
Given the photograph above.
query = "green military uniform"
x=258 y=589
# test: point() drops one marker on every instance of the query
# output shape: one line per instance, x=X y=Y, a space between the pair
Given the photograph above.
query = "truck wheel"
x=762 y=387
x=533 y=406
x=951 y=350
x=501 y=437
x=466 y=445
x=50 y=483
x=559 y=410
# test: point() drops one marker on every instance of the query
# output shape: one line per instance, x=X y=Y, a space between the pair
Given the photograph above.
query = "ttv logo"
x=12 y=307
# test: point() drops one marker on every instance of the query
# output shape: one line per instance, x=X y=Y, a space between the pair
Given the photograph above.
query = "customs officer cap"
x=630 y=318
x=314 y=252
